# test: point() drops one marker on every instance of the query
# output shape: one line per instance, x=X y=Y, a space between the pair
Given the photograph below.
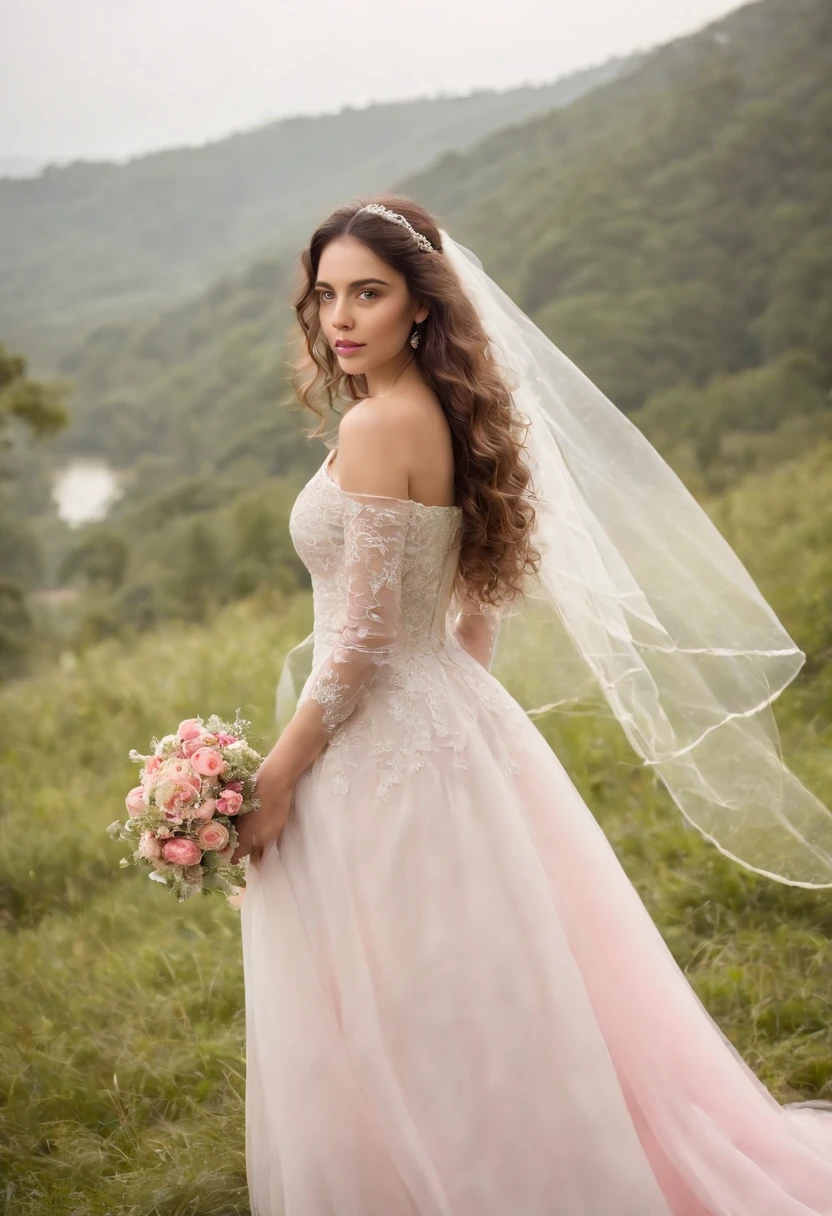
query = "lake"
x=85 y=490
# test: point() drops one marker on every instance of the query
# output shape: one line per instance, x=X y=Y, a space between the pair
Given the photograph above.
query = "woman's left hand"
x=256 y=830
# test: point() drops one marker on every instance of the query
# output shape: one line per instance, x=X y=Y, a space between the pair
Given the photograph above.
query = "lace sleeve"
x=476 y=628
x=375 y=529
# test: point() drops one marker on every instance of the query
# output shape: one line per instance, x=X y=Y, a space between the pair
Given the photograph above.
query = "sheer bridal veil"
x=641 y=600
x=641 y=603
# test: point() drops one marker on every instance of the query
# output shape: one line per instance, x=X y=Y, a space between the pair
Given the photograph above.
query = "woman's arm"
x=476 y=628
x=375 y=528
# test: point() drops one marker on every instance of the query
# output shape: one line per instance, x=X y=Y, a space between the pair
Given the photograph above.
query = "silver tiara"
x=387 y=214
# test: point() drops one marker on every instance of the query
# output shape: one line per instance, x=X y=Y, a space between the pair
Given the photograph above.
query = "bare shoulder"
x=397 y=446
x=372 y=454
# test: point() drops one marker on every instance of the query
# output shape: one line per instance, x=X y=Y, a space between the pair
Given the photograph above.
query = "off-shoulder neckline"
x=426 y=506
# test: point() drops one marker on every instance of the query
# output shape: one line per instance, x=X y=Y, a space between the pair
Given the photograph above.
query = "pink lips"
x=347 y=348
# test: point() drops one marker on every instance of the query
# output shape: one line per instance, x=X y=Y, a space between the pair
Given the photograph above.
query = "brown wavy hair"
x=453 y=357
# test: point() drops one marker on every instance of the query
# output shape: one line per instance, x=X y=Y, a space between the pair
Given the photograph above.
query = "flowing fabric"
x=456 y=1002
x=641 y=602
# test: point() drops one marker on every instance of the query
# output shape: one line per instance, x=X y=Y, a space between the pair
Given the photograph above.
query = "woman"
x=456 y=1003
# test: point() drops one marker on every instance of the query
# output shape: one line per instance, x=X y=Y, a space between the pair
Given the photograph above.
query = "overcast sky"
x=113 y=78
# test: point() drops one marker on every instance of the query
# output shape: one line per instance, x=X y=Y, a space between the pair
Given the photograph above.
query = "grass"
x=122 y=1017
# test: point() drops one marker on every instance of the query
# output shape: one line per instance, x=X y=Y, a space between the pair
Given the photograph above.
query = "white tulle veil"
x=642 y=602
x=640 y=608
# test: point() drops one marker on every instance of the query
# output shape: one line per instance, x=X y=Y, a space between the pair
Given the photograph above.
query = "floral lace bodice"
x=367 y=541
x=382 y=572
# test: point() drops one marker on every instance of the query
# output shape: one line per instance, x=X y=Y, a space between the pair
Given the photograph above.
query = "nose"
x=341 y=318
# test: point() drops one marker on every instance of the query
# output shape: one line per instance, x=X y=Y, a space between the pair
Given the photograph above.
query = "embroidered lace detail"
x=413 y=711
x=375 y=531
x=382 y=570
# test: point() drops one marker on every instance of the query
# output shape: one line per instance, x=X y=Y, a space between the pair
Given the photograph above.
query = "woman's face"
x=364 y=301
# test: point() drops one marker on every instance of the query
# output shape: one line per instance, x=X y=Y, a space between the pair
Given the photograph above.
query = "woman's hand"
x=256 y=830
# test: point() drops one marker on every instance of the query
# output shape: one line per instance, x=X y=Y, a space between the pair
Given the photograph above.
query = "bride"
x=456 y=1003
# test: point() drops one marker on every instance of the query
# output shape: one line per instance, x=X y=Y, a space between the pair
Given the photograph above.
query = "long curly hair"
x=453 y=357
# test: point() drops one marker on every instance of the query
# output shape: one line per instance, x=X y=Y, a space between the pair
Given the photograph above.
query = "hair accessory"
x=396 y=218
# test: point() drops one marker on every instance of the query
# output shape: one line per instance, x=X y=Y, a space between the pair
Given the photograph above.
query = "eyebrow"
x=357 y=283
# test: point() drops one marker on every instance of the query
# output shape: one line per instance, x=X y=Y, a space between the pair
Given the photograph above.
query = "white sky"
x=112 y=78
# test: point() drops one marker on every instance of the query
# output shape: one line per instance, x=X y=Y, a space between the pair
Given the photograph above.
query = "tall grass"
x=122 y=1017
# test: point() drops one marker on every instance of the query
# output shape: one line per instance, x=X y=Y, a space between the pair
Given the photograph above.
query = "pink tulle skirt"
x=457 y=1005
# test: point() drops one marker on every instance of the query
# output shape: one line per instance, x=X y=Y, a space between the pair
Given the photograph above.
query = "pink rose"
x=234 y=785
x=213 y=836
x=150 y=847
x=190 y=746
x=223 y=739
x=207 y=762
x=205 y=810
x=175 y=799
x=135 y=802
x=152 y=765
x=189 y=788
x=180 y=770
x=181 y=851
x=229 y=802
x=189 y=729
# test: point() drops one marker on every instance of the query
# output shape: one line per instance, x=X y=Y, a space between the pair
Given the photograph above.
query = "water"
x=85 y=490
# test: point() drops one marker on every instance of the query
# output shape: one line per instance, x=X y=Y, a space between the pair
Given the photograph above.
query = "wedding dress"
x=456 y=1002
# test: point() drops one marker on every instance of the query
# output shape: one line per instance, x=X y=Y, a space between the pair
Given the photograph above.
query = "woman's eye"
x=325 y=292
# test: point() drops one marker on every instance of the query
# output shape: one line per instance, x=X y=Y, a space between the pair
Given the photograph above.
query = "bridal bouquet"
x=180 y=818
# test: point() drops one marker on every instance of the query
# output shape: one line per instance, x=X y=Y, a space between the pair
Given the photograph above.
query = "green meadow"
x=123 y=1046
x=666 y=222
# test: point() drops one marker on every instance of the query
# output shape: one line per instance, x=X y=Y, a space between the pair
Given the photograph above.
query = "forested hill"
x=672 y=227
x=671 y=232
x=676 y=225
x=78 y=242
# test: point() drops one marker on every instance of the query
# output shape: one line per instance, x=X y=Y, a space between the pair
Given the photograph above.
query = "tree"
x=28 y=410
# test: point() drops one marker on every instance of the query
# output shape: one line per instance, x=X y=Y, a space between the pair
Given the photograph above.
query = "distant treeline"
x=670 y=230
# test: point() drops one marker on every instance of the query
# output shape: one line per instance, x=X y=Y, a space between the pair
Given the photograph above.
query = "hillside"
x=80 y=242
x=675 y=225
x=123 y=1018
x=670 y=231
x=675 y=237
x=668 y=228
